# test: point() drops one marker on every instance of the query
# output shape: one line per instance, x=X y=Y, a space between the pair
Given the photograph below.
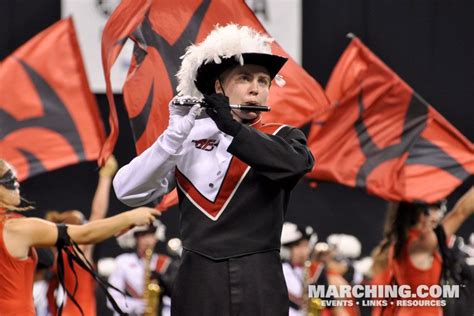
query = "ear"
x=218 y=86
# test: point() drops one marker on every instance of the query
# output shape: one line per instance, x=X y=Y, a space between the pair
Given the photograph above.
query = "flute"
x=244 y=107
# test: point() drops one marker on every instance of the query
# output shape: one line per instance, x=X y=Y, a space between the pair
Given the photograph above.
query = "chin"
x=13 y=200
x=248 y=115
x=251 y=117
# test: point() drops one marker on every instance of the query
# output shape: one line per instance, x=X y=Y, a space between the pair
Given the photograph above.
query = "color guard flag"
x=383 y=137
x=48 y=116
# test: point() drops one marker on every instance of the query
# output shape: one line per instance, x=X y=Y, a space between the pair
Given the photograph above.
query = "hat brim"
x=208 y=73
x=150 y=229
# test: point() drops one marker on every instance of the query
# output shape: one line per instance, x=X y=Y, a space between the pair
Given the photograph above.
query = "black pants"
x=249 y=285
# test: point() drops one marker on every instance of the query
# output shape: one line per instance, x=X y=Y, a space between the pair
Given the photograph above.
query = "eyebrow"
x=247 y=73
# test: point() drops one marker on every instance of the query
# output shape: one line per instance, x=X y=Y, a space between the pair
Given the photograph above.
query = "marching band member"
x=85 y=292
x=130 y=270
x=295 y=247
x=234 y=175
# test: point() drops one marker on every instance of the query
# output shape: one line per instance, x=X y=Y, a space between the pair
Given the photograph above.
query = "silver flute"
x=244 y=107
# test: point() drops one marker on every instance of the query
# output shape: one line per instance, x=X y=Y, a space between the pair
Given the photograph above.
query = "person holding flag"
x=20 y=236
x=85 y=292
x=234 y=175
x=410 y=254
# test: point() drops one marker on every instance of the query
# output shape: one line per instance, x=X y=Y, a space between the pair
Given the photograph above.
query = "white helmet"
x=347 y=246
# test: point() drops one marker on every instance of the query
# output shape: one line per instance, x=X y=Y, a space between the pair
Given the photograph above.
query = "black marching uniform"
x=233 y=195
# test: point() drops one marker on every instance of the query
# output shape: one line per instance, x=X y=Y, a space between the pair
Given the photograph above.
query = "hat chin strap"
x=221 y=85
x=223 y=92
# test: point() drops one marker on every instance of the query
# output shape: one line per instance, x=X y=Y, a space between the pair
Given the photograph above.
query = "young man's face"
x=247 y=84
x=145 y=241
x=300 y=252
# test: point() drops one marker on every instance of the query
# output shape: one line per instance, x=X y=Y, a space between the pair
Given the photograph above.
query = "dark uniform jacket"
x=233 y=191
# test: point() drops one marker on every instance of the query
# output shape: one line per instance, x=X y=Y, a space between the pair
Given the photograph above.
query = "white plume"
x=223 y=42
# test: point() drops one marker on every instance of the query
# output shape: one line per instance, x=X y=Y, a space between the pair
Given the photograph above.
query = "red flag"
x=124 y=20
x=167 y=27
x=48 y=116
x=168 y=201
x=383 y=137
x=162 y=29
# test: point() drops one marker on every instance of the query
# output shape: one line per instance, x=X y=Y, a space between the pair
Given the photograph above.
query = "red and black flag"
x=161 y=30
x=48 y=116
x=383 y=137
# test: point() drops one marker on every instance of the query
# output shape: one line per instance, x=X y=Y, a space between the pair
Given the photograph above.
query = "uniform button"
x=211 y=185
x=218 y=172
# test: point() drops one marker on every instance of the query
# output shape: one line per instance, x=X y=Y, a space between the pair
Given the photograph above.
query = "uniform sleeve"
x=127 y=303
x=283 y=157
x=147 y=177
x=293 y=285
x=116 y=279
x=288 y=274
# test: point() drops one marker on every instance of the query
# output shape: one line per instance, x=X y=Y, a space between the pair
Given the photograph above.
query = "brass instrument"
x=311 y=305
x=152 y=290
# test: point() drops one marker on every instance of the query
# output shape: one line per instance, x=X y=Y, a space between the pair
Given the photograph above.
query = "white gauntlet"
x=151 y=174
x=180 y=124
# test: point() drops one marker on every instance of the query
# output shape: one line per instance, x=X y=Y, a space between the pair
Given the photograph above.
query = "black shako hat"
x=223 y=48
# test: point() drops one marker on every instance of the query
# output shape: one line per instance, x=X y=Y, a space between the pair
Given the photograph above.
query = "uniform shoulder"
x=274 y=128
x=274 y=124
x=126 y=257
x=286 y=265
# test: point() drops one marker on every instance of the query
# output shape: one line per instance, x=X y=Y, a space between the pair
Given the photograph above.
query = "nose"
x=254 y=87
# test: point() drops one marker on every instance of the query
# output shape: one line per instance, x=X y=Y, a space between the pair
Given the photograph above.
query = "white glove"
x=181 y=122
x=151 y=174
